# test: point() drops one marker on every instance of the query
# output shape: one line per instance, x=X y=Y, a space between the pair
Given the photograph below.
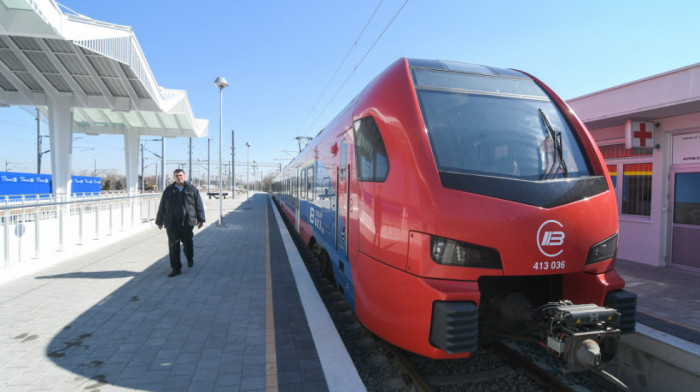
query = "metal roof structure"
x=45 y=52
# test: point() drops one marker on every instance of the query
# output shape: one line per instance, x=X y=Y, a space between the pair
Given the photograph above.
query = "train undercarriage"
x=582 y=336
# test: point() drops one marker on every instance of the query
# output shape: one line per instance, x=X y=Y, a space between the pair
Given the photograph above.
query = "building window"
x=612 y=169
x=636 y=189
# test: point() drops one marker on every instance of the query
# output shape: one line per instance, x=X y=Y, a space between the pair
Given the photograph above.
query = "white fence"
x=32 y=225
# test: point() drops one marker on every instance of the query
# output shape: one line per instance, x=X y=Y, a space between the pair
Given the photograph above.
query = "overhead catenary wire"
x=342 y=62
x=310 y=130
x=359 y=62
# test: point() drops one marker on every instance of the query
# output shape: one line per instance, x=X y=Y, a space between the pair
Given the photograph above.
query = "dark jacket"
x=176 y=207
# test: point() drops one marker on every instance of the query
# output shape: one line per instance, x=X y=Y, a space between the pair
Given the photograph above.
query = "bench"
x=216 y=194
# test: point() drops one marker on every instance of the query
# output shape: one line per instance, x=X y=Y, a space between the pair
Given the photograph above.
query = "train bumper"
x=626 y=304
x=454 y=326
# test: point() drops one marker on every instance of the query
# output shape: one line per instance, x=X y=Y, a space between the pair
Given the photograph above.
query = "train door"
x=297 y=203
x=353 y=204
x=342 y=200
x=685 y=217
x=346 y=224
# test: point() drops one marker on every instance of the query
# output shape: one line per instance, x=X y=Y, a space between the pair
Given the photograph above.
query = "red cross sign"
x=639 y=134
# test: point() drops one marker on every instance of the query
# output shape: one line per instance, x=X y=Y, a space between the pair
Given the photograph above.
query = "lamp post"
x=162 y=163
x=220 y=82
x=190 y=167
x=247 y=163
x=208 y=165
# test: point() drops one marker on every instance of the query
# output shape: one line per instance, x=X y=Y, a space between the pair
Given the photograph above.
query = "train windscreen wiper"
x=558 y=149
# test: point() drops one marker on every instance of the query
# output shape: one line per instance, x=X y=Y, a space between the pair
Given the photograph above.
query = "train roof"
x=466 y=67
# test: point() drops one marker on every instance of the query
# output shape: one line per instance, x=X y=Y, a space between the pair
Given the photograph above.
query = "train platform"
x=668 y=299
x=664 y=354
x=245 y=317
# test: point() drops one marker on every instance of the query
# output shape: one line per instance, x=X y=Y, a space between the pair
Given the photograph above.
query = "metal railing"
x=44 y=222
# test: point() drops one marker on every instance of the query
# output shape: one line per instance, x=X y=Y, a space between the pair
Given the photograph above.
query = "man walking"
x=181 y=208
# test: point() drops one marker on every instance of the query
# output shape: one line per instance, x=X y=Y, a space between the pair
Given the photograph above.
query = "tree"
x=267 y=181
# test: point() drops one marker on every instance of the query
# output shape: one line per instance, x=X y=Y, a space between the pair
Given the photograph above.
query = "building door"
x=685 y=227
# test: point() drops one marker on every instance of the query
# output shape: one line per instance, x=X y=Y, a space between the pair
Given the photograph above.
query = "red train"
x=452 y=200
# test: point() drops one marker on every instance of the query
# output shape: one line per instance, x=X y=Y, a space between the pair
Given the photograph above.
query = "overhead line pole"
x=233 y=163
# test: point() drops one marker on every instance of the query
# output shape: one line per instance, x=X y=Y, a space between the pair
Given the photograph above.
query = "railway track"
x=514 y=366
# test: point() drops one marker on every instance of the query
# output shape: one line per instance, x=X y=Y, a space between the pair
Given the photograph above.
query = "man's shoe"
x=174 y=273
x=190 y=263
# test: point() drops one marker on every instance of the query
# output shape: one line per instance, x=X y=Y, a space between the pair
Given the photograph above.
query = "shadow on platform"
x=200 y=330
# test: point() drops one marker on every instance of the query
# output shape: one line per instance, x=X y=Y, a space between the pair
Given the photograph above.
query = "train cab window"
x=370 y=153
x=310 y=182
x=497 y=126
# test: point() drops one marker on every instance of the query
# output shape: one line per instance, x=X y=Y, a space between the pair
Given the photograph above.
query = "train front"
x=519 y=230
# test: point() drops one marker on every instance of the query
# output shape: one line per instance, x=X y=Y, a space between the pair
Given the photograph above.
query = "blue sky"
x=279 y=56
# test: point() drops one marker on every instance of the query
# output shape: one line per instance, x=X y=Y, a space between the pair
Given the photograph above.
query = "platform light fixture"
x=221 y=82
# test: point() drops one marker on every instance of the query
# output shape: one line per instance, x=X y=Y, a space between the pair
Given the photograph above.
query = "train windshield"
x=496 y=126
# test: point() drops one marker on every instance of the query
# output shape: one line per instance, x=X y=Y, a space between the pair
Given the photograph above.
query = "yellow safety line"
x=270 y=348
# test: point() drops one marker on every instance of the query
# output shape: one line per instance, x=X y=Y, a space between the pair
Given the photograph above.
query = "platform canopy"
x=86 y=76
x=44 y=52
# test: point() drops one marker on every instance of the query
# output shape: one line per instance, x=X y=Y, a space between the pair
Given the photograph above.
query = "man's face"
x=179 y=178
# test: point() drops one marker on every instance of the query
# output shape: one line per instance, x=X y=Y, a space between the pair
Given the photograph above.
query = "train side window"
x=370 y=153
x=295 y=188
x=302 y=183
x=310 y=182
x=343 y=158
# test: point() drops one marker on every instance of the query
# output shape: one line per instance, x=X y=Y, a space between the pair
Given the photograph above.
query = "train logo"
x=549 y=239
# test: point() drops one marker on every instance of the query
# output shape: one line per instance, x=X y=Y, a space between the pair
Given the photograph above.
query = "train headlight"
x=461 y=254
x=603 y=250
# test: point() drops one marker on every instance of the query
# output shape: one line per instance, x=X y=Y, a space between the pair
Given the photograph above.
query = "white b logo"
x=551 y=239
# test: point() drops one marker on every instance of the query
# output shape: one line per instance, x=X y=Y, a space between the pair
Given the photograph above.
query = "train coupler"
x=582 y=336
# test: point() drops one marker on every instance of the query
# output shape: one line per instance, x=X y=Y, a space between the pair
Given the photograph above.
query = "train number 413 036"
x=549 y=265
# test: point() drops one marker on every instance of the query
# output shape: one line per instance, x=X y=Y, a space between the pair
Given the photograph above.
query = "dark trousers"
x=176 y=235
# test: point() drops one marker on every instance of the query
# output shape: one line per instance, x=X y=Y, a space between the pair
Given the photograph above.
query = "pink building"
x=649 y=133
